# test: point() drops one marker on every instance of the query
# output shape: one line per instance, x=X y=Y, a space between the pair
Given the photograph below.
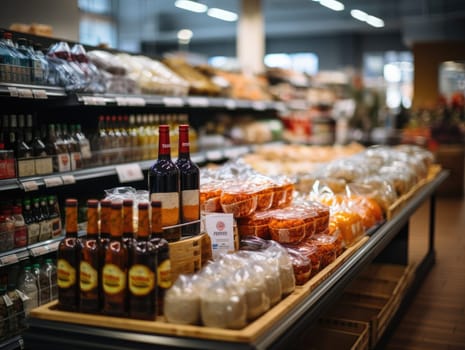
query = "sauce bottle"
x=164 y=280
x=89 y=281
x=67 y=261
x=142 y=273
x=163 y=181
x=105 y=214
x=128 y=226
x=190 y=184
x=115 y=268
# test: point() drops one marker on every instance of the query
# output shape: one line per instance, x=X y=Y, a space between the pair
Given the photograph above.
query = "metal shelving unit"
x=44 y=334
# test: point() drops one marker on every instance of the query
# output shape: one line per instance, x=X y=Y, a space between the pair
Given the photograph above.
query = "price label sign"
x=53 y=247
x=259 y=105
x=40 y=250
x=135 y=101
x=13 y=91
x=53 y=181
x=9 y=259
x=230 y=104
x=29 y=186
x=25 y=93
x=221 y=231
x=214 y=155
x=129 y=172
x=93 y=101
x=121 y=101
x=40 y=94
x=68 y=179
x=198 y=101
x=173 y=101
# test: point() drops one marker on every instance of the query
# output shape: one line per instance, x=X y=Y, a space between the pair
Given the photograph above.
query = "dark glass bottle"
x=33 y=227
x=73 y=147
x=115 y=268
x=54 y=215
x=190 y=184
x=163 y=183
x=128 y=226
x=68 y=261
x=89 y=281
x=161 y=245
x=142 y=272
x=46 y=223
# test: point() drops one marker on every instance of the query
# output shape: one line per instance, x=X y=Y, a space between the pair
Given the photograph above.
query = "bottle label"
x=88 y=277
x=21 y=236
x=164 y=274
x=114 y=279
x=64 y=162
x=45 y=230
x=190 y=205
x=26 y=167
x=86 y=153
x=169 y=207
x=43 y=165
x=33 y=232
x=56 y=227
x=141 y=280
x=66 y=274
x=75 y=160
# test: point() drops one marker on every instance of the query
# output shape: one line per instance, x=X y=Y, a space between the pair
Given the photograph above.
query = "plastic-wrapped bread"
x=223 y=305
x=286 y=271
x=182 y=300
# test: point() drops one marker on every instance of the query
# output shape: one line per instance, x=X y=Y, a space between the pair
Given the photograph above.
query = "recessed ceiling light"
x=360 y=15
x=222 y=14
x=332 y=5
x=191 y=6
x=375 y=21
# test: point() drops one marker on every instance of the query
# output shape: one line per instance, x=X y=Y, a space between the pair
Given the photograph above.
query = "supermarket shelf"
x=29 y=184
x=15 y=343
x=33 y=250
x=283 y=333
x=35 y=92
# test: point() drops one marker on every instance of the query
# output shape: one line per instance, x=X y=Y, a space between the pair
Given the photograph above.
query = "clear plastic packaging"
x=182 y=300
x=239 y=199
x=286 y=271
x=283 y=192
x=288 y=225
x=302 y=266
x=255 y=225
x=223 y=305
x=310 y=251
x=327 y=248
x=210 y=193
x=349 y=224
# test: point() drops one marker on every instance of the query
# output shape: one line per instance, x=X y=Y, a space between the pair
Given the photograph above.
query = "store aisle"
x=436 y=318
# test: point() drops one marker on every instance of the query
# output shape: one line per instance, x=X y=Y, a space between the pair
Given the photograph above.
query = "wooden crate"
x=330 y=338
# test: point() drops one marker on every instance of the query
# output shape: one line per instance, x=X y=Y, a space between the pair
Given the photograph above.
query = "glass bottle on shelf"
x=43 y=163
x=115 y=268
x=128 y=224
x=23 y=151
x=7 y=233
x=89 y=281
x=142 y=271
x=28 y=286
x=73 y=146
x=49 y=271
x=84 y=144
x=20 y=236
x=135 y=150
x=105 y=215
x=54 y=216
x=33 y=226
x=163 y=184
x=41 y=79
x=60 y=149
x=68 y=261
x=46 y=222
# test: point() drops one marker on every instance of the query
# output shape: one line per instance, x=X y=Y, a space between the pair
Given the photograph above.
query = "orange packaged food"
x=302 y=266
x=368 y=209
x=210 y=194
x=326 y=247
x=255 y=225
x=333 y=230
x=311 y=252
x=287 y=226
x=350 y=225
x=283 y=193
x=239 y=199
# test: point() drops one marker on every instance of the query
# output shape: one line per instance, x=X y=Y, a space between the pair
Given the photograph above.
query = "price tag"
x=13 y=91
x=198 y=101
x=53 y=247
x=221 y=231
x=53 y=181
x=25 y=93
x=40 y=94
x=9 y=259
x=121 y=101
x=135 y=101
x=173 y=101
x=197 y=158
x=40 y=250
x=259 y=105
x=230 y=104
x=68 y=179
x=129 y=172
x=214 y=155
x=93 y=101
x=30 y=186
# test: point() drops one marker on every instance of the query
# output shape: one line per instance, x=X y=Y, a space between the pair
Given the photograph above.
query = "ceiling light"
x=191 y=6
x=222 y=14
x=332 y=4
x=185 y=36
x=360 y=15
x=375 y=21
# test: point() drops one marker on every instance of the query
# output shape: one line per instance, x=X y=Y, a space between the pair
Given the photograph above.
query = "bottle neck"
x=128 y=227
x=71 y=219
x=184 y=145
x=164 y=146
x=92 y=221
x=143 y=225
x=116 y=222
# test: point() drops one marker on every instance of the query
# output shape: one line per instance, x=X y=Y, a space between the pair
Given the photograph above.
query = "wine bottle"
x=89 y=281
x=163 y=183
x=115 y=269
x=142 y=272
x=68 y=261
x=190 y=184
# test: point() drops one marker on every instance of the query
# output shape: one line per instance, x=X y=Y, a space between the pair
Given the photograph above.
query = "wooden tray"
x=246 y=335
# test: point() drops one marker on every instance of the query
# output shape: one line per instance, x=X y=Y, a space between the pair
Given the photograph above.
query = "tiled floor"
x=436 y=318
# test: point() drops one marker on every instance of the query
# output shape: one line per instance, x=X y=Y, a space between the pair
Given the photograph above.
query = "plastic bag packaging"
x=126 y=192
x=255 y=225
x=289 y=225
x=94 y=79
x=286 y=271
x=380 y=188
x=240 y=199
x=283 y=191
x=182 y=300
x=253 y=243
x=349 y=224
x=310 y=251
x=258 y=301
x=223 y=305
x=301 y=265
